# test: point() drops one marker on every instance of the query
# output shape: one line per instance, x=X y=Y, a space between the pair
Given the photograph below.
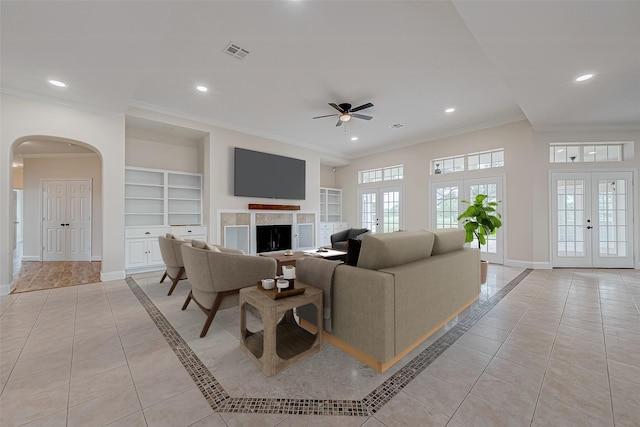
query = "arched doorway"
x=44 y=162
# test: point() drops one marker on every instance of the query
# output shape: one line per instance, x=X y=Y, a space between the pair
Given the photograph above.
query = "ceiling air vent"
x=396 y=126
x=236 y=51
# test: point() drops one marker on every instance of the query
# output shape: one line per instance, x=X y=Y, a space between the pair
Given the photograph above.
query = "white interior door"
x=381 y=209
x=446 y=205
x=79 y=220
x=54 y=217
x=66 y=220
x=592 y=220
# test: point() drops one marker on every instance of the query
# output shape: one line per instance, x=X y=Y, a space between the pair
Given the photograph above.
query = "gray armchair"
x=339 y=240
x=216 y=272
x=172 y=258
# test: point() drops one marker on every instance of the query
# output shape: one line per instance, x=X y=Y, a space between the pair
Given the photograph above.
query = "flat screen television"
x=268 y=176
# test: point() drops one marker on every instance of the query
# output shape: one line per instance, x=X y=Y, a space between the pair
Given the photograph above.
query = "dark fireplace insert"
x=273 y=238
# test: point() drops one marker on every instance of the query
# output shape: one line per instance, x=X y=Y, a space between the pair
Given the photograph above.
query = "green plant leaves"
x=480 y=219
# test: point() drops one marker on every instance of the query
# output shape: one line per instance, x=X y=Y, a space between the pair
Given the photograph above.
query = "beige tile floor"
x=562 y=348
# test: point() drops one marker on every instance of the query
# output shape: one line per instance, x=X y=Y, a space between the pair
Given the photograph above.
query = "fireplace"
x=273 y=238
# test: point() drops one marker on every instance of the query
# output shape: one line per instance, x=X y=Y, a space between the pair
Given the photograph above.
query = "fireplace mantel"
x=264 y=207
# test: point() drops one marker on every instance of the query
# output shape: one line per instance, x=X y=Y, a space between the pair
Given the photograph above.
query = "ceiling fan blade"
x=328 y=115
x=339 y=122
x=362 y=116
x=334 y=105
x=362 y=107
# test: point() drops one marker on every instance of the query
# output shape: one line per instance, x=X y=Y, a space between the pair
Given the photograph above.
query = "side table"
x=281 y=343
x=283 y=259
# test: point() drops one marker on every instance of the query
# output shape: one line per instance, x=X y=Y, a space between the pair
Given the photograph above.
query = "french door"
x=380 y=209
x=66 y=220
x=592 y=219
x=447 y=203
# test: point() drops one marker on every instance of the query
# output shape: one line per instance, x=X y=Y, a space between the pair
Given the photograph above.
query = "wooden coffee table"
x=332 y=254
x=283 y=341
x=283 y=259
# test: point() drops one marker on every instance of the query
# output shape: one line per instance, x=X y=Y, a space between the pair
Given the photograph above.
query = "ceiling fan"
x=346 y=112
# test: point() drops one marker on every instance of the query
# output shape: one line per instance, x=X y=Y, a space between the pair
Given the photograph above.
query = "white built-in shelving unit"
x=330 y=214
x=159 y=202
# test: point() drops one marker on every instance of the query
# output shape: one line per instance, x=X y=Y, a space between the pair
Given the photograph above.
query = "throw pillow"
x=200 y=244
x=170 y=236
x=212 y=248
x=353 y=250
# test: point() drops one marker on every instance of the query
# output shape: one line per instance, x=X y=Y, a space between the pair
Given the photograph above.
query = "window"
x=390 y=173
x=471 y=161
x=577 y=153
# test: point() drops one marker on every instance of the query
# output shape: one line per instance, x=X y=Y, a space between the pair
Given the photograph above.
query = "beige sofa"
x=406 y=286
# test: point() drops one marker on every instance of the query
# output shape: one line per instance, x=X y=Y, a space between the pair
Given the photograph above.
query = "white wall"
x=328 y=176
x=37 y=169
x=177 y=157
x=515 y=138
x=217 y=160
x=526 y=173
x=21 y=119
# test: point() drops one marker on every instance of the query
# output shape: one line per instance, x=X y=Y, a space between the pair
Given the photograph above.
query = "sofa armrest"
x=363 y=311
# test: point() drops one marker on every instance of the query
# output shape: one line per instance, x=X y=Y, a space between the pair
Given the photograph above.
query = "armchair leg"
x=176 y=280
x=214 y=309
x=186 y=303
x=164 y=276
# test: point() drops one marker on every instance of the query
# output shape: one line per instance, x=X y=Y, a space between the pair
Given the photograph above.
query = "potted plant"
x=481 y=219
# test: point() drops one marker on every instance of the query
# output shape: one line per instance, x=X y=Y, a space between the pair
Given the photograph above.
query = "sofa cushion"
x=448 y=240
x=353 y=250
x=212 y=248
x=391 y=249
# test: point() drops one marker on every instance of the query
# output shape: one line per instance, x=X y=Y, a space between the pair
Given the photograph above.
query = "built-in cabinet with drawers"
x=159 y=202
x=330 y=215
x=329 y=228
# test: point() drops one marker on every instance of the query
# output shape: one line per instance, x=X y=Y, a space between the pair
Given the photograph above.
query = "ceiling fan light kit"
x=346 y=112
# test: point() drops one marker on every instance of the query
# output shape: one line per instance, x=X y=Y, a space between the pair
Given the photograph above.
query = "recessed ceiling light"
x=57 y=83
x=202 y=88
x=591 y=152
x=584 y=77
x=354 y=138
x=449 y=110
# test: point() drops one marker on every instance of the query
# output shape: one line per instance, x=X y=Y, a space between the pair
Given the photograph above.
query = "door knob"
x=589 y=227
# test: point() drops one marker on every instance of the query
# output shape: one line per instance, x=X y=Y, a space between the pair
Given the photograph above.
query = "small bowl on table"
x=268 y=283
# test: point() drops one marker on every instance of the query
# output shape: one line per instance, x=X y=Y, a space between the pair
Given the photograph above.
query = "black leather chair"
x=339 y=240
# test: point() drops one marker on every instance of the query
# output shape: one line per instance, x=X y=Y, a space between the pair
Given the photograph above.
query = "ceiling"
x=493 y=61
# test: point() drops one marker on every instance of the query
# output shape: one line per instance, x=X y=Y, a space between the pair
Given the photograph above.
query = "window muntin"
x=390 y=173
x=471 y=161
x=585 y=153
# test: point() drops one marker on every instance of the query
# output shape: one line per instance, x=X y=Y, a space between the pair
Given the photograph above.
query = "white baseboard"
x=31 y=258
x=96 y=258
x=106 y=276
x=6 y=289
x=146 y=269
x=528 y=264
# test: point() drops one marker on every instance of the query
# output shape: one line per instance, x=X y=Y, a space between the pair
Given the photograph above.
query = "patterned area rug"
x=221 y=401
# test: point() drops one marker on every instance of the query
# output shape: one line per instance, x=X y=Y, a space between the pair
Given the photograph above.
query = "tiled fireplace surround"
x=251 y=219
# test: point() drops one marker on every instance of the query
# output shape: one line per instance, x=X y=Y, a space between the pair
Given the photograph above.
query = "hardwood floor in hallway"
x=39 y=275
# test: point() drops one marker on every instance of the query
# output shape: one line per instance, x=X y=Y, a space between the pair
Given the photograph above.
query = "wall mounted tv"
x=269 y=176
